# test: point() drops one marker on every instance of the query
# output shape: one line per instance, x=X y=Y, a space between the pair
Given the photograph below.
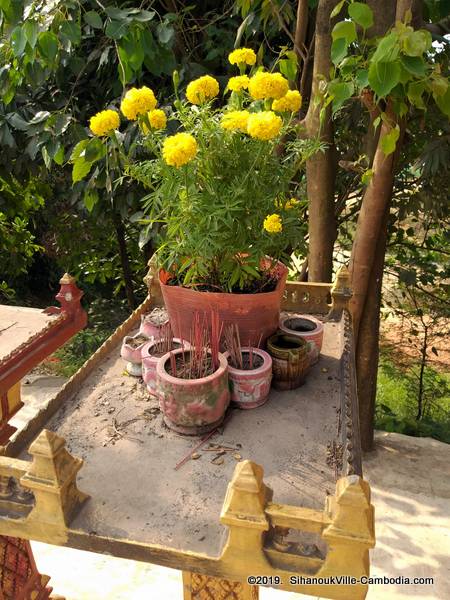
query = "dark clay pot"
x=290 y=360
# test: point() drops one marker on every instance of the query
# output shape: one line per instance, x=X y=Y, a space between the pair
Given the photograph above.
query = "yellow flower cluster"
x=137 y=101
x=104 y=122
x=236 y=84
x=264 y=125
x=290 y=102
x=179 y=149
x=202 y=89
x=268 y=85
x=273 y=223
x=292 y=203
x=236 y=120
x=241 y=56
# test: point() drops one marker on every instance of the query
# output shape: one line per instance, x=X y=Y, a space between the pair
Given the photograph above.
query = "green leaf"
x=18 y=41
x=79 y=149
x=17 y=122
x=93 y=19
x=339 y=48
x=71 y=31
x=444 y=102
x=439 y=85
x=337 y=9
x=367 y=176
x=415 y=92
x=387 y=49
x=362 y=78
x=94 y=150
x=81 y=168
x=48 y=45
x=340 y=92
x=414 y=65
x=346 y=30
x=383 y=77
x=40 y=116
x=31 y=30
x=144 y=15
x=90 y=199
x=361 y=14
x=116 y=29
x=117 y=13
x=389 y=141
x=165 y=33
x=59 y=156
x=288 y=68
x=416 y=43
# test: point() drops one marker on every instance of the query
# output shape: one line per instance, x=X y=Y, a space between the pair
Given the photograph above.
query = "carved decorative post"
x=341 y=292
x=69 y=295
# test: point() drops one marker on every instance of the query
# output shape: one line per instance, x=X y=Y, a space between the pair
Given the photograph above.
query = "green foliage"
x=396 y=410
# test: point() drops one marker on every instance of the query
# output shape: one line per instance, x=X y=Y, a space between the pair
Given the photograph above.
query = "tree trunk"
x=321 y=168
x=368 y=228
x=124 y=260
x=367 y=349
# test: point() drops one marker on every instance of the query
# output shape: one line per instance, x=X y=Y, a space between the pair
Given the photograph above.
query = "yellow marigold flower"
x=292 y=203
x=242 y=56
x=157 y=118
x=138 y=101
x=104 y=122
x=179 y=149
x=202 y=89
x=236 y=84
x=273 y=224
x=291 y=102
x=235 y=120
x=264 y=125
x=268 y=85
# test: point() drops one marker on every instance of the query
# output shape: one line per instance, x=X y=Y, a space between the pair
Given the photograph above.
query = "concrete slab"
x=18 y=324
x=411 y=490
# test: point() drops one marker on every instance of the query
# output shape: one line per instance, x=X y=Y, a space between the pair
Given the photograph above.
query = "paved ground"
x=410 y=479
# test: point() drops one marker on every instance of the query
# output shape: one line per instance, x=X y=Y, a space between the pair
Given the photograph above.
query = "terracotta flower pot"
x=131 y=352
x=192 y=406
x=151 y=324
x=291 y=362
x=256 y=315
x=250 y=387
x=149 y=362
x=307 y=327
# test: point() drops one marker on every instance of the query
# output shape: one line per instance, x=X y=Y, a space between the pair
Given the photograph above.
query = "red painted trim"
x=37 y=350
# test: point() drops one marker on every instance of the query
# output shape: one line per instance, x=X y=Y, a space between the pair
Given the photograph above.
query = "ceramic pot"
x=149 y=362
x=255 y=315
x=250 y=388
x=307 y=327
x=131 y=352
x=192 y=406
x=290 y=358
x=149 y=327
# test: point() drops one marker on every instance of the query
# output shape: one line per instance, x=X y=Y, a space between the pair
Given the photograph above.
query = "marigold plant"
x=223 y=176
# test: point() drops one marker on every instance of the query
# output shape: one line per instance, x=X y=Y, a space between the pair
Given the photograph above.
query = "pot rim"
x=131 y=337
x=317 y=322
x=146 y=347
x=267 y=362
x=161 y=371
x=283 y=275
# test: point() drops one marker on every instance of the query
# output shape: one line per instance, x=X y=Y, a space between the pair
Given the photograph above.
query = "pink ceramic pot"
x=192 y=406
x=149 y=328
x=250 y=388
x=149 y=362
x=131 y=352
x=307 y=327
